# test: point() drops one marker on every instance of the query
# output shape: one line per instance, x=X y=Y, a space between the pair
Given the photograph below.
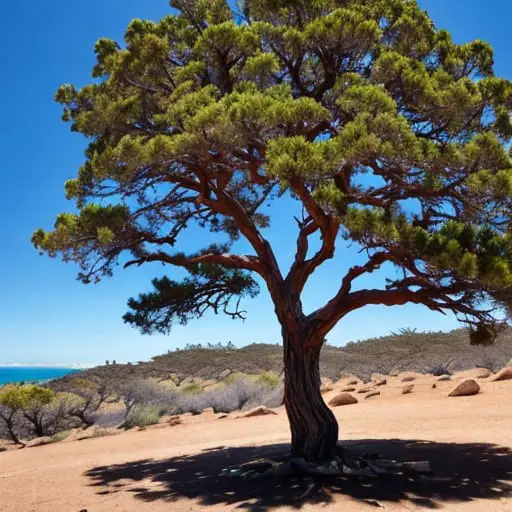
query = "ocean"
x=31 y=373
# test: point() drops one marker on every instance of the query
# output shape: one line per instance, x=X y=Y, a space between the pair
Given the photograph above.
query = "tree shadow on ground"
x=462 y=472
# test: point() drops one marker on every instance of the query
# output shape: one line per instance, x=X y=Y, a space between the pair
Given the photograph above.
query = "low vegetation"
x=220 y=378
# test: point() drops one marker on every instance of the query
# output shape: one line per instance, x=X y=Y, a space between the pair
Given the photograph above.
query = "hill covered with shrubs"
x=404 y=351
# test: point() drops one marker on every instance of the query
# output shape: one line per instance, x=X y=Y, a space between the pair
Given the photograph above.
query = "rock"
x=474 y=373
x=372 y=393
x=348 y=379
x=407 y=389
x=258 y=411
x=348 y=390
x=410 y=378
x=434 y=386
x=444 y=378
x=224 y=374
x=482 y=373
x=505 y=374
x=173 y=422
x=364 y=390
x=326 y=385
x=467 y=387
x=39 y=441
x=208 y=410
x=380 y=382
x=73 y=435
x=343 y=399
x=222 y=416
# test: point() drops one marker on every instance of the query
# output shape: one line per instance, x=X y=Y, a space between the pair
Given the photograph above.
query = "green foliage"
x=142 y=416
x=191 y=388
x=268 y=379
x=24 y=397
x=362 y=110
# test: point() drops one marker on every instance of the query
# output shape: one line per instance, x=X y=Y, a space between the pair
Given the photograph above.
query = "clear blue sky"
x=46 y=316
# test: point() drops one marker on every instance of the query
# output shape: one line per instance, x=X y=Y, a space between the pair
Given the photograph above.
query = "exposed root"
x=368 y=465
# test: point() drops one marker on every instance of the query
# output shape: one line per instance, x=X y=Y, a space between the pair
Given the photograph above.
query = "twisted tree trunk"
x=313 y=426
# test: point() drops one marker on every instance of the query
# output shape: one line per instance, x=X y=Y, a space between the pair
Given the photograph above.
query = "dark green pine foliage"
x=388 y=133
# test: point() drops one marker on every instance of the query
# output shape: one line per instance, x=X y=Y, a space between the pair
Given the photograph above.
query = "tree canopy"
x=385 y=130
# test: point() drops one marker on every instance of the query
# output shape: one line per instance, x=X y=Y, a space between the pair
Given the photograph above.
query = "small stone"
x=222 y=416
x=505 y=374
x=173 y=422
x=364 y=390
x=467 y=387
x=39 y=441
x=348 y=390
x=373 y=393
x=258 y=411
x=408 y=379
x=343 y=399
x=407 y=389
x=381 y=382
x=434 y=386
x=444 y=378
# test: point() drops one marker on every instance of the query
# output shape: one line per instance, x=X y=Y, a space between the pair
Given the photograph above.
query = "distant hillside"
x=407 y=351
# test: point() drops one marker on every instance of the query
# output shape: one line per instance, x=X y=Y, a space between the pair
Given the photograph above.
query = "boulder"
x=467 y=387
x=39 y=441
x=372 y=393
x=258 y=411
x=407 y=389
x=342 y=399
x=348 y=379
x=474 y=373
x=505 y=374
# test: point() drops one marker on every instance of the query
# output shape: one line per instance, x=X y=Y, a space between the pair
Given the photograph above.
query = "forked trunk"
x=313 y=426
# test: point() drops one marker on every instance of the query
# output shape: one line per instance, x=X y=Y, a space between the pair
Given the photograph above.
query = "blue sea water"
x=30 y=373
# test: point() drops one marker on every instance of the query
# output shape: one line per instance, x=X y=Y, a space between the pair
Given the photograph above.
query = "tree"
x=384 y=131
x=85 y=397
x=28 y=404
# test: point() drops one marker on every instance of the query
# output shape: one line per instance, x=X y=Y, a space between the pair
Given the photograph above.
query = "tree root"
x=367 y=465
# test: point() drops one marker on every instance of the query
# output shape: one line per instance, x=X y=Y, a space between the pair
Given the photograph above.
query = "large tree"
x=387 y=134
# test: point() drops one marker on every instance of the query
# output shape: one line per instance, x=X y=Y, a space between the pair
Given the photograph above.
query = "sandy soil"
x=467 y=440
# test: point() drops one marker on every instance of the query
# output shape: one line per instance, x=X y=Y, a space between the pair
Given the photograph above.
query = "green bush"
x=142 y=416
x=191 y=388
x=268 y=379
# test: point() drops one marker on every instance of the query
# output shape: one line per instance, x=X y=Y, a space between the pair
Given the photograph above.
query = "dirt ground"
x=468 y=442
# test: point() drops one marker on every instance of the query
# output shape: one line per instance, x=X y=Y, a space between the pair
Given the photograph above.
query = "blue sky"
x=46 y=316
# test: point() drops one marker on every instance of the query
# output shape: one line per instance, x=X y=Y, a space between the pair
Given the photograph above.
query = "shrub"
x=91 y=395
x=232 y=397
x=269 y=379
x=191 y=388
x=26 y=413
x=146 y=392
x=440 y=368
x=142 y=416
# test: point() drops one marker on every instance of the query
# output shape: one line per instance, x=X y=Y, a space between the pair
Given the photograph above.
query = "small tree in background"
x=24 y=409
x=385 y=133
